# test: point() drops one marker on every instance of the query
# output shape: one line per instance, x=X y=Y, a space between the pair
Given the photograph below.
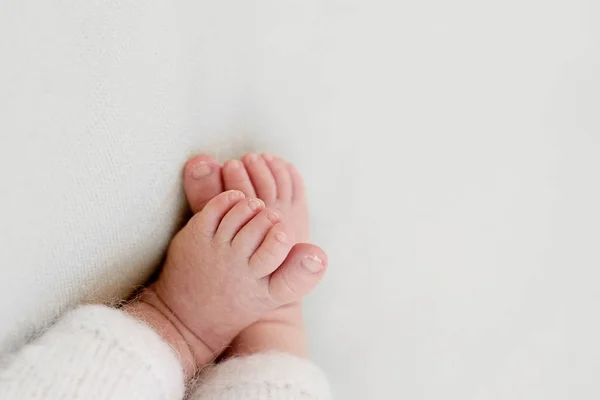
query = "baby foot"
x=280 y=186
x=233 y=262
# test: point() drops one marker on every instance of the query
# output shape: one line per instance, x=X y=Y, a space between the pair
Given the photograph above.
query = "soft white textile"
x=93 y=352
x=99 y=353
x=261 y=376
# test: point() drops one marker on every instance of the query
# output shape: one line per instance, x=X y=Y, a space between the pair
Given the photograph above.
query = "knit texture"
x=262 y=377
x=93 y=352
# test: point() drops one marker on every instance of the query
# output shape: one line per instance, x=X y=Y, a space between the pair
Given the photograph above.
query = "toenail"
x=268 y=157
x=312 y=263
x=273 y=217
x=255 y=204
x=234 y=195
x=235 y=164
x=281 y=237
x=201 y=170
x=251 y=157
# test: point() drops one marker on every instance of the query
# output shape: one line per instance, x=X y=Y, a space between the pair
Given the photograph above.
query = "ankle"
x=282 y=330
x=270 y=336
x=192 y=352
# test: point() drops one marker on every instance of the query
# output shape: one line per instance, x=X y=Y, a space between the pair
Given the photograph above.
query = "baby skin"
x=234 y=275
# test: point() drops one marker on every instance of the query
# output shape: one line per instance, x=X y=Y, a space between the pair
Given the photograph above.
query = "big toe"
x=201 y=181
x=301 y=271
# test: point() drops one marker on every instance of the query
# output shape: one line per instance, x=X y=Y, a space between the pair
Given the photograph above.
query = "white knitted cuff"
x=263 y=376
x=94 y=352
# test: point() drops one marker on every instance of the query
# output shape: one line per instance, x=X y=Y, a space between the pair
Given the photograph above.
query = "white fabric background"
x=450 y=150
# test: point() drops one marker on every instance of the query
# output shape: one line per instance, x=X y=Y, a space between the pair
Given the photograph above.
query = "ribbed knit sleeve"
x=266 y=376
x=93 y=352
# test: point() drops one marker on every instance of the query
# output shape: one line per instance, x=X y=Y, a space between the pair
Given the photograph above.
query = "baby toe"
x=201 y=181
x=298 y=275
x=235 y=177
x=261 y=176
x=282 y=176
x=272 y=251
x=208 y=220
x=237 y=218
x=299 y=192
x=249 y=238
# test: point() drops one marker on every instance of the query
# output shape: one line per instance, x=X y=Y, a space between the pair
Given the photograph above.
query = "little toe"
x=261 y=177
x=237 y=218
x=301 y=271
x=201 y=181
x=272 y=251
x=299 y=192
x=207 y=221
x=249 y=238
x=235 y=177
x=282 y=176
